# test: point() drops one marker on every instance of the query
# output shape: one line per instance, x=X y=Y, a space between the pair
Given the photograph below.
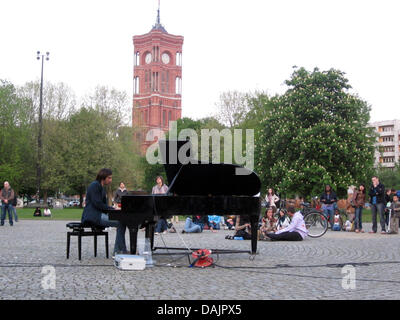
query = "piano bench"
x=78 y=229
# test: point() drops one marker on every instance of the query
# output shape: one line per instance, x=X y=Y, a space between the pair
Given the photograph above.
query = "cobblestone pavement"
x=311 y=269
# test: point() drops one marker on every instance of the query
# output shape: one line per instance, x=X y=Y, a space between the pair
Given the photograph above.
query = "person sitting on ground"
x=47 y=212
x=395 y=215
x=337 y=223
x=349 y=225
x=214 y=223
x=242 y=228
x=37 y=213
x=195 y=224
x=283 y=221
x=295 y=231
x=230 y=222
x=268 y=222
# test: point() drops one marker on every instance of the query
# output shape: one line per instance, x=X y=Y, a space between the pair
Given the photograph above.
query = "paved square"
x=311 y=269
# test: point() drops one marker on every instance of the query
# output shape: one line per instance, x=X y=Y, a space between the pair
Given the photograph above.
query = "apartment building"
x=388 y=142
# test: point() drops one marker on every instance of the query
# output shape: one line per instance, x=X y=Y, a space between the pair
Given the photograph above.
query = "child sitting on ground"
x=336 y=221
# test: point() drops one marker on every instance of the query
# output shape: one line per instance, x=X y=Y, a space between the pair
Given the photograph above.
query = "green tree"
x=390 y=178
x=316 y=134
x=17 y=159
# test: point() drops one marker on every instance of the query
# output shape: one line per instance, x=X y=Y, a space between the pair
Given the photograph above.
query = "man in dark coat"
x=377 y=194
x=96 y=202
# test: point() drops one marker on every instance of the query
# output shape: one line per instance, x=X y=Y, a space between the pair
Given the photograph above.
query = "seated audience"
x=242 y=228
x=296 y=231
x=37 y=213
x=337 y=222
x=195 y=224
x=283 y=221
x=47 y=212
x=214 y=223
x=268 y=223
x=230 y=222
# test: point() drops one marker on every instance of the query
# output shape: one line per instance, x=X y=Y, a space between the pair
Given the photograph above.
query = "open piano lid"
x=197 y=178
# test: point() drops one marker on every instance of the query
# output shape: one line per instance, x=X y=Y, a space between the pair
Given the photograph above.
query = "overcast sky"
x=228 y=45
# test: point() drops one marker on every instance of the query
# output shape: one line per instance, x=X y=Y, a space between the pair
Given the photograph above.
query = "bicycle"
x=316 y=221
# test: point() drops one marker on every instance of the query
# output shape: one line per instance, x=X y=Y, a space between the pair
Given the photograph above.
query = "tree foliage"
x=316 y=134
x=15 y=137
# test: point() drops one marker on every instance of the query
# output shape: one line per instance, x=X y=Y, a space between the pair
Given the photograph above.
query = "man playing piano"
x=96 y=203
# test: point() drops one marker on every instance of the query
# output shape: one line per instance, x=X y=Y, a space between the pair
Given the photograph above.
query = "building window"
x=387 y=139
x=179 y=58
x=388 y=149
x=136 y=85
x=154 y=84
x=178 y=85
x=137 y=56
x=386 y=128
x=387 y=160
x=167 y=89
x=164 y=118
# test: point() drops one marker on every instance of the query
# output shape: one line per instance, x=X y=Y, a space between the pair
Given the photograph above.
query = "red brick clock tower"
x=157 y=81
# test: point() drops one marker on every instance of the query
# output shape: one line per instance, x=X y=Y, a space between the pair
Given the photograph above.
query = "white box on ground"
x=129 y=262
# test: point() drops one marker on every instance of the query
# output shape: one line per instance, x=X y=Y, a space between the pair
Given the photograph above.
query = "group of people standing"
x=380 y=203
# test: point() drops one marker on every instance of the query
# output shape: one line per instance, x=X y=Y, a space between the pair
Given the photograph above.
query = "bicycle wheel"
x=316 y=224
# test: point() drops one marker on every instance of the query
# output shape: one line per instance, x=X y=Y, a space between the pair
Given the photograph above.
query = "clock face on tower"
x=148 y=58
x=165 y=58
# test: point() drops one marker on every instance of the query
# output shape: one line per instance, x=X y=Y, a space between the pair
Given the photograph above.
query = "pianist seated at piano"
x=96 y=204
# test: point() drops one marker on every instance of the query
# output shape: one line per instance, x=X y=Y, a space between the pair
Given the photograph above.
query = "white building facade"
x=388 y=143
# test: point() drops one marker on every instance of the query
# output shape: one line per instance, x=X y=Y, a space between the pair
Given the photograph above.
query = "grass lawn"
x=76 y=214
x=56 y=214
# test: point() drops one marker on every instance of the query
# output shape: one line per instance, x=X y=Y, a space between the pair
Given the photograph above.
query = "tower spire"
x=158 y=25
x=158 y=13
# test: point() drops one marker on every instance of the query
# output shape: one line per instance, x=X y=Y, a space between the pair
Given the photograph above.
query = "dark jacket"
x=7 y=195
x=387 y=198
x=378 y=192
x=96 y=202
x=328 y=199
x=119 y=194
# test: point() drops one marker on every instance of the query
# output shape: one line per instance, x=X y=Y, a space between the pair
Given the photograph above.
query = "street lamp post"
x=40 y=146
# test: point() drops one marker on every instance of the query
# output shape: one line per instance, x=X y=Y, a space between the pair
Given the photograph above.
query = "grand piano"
x=195 y=188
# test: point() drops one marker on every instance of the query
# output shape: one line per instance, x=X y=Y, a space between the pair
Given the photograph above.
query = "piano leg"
x=149 y=234
x=133 y=231
x=254 y=229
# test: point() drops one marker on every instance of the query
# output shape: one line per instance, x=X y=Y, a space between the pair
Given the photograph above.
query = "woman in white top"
x=283 y=221
x=47 y=212
x=271 y=198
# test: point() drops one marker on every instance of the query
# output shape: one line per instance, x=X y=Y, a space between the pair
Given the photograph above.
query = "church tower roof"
x=158 y=25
